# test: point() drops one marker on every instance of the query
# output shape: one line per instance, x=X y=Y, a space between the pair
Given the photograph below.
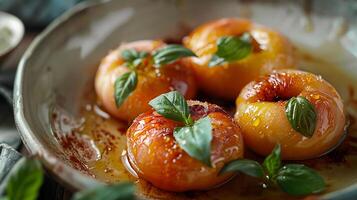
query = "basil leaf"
x=272 y=162
x=124 y=86
x=196 y=140
x=301 y=115
x=215 y=61
x=173 y=106
x=231 y=48
x=129 y=54
x=123 y=191
x=248 y=167
x=133 y=58
x=170 y=53
x=25 y=180
x=296 y=179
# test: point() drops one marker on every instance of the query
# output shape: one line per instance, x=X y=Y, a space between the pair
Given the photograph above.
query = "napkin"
x=8 y=158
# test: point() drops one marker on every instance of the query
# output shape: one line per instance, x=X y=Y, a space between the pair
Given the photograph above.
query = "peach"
x=271 y=51
x=157 y=157
x=261 y=114
x=151 y=81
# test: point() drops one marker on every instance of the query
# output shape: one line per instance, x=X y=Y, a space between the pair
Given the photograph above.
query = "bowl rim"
x=70 y=177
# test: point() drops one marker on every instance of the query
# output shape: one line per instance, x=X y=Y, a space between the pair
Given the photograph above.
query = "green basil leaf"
x=196 y=140
x=123 y=191
x=301 y=115
x=25 y=180
x=231 y=48
x=296 y=179
x=215 y=61
x=272 y=162
x=124 y=86
x=129 y=54
x=133 y=58
x=173 y=106
x=170 y=53
x=248 y=167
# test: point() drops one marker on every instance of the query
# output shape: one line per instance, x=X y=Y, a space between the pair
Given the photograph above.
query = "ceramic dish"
x=54 y=96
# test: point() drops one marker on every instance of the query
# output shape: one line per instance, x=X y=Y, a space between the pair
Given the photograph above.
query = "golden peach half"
x=262 y=118
x=271 y=51
x=151 y=81
x=157 y=157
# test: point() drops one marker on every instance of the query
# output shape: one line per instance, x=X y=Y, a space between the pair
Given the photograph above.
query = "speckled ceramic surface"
x=62 y=60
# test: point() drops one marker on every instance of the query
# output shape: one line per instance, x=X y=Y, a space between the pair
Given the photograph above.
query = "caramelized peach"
x=151 y=81
x=262 y=117
x=271 y=50
x=157 y=157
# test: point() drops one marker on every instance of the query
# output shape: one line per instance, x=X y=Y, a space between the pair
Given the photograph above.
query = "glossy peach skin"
x=157 y=158
x=151 y=82
x=271 y=51
x=262 y=119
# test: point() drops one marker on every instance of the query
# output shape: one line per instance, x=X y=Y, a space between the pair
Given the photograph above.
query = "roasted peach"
x=262 y=114
x=269 y=51
x=157 y=157
x=151 y=81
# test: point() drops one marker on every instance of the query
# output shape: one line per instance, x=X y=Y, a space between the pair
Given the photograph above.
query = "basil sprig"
x=173 y=106
x=294 y=179
x=272 y=162
x=26 y=177
x=231 y=48
x=124 y=86
x=196 y=140
x=170 y=53
x=248 y=167
x=25 y=180
x=122 y=191
x=126 y=83
x=301 y=115
x=133 y=58
x=195 y=137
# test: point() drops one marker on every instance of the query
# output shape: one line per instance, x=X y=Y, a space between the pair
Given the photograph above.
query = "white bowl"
x=16 y=28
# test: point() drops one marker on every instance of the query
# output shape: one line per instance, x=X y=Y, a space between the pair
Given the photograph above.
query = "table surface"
x=51 y=189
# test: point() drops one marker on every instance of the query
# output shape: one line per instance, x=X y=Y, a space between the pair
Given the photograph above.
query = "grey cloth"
x=8 y=131
x=9 y=137
x=8 y=158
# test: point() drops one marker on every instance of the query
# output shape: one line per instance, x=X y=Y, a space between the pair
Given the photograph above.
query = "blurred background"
x=36 y=13
x=20 y=22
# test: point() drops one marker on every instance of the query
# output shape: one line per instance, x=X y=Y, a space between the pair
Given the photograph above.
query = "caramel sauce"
x=95 y=143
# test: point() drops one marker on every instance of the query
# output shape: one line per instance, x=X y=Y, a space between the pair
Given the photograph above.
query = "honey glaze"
x=95 y=143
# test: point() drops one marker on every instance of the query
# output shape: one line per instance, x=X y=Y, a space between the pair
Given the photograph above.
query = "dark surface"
x=52 y=190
